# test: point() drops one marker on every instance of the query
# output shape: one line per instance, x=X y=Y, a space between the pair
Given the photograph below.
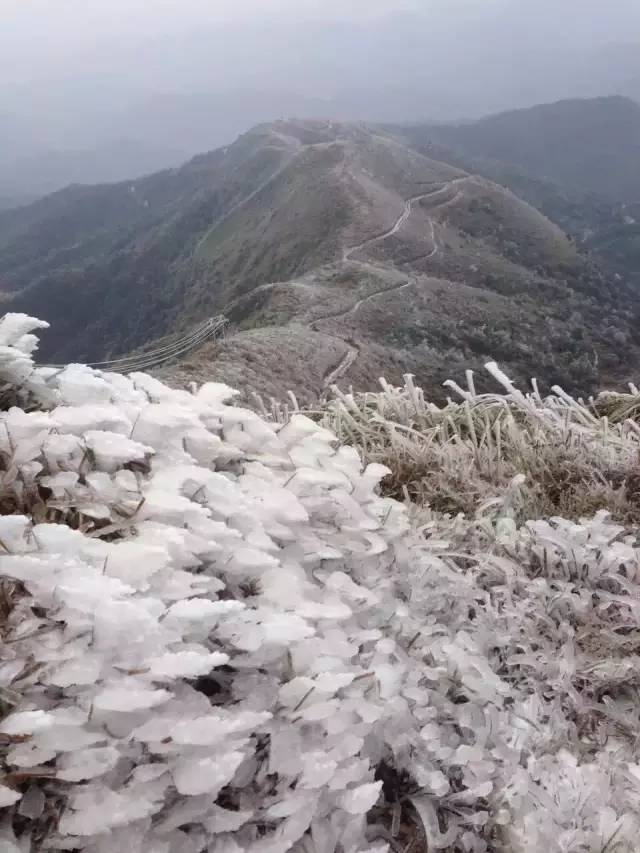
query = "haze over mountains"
x=250 y=600
x=586 y=145
x=340 y=252
x=93 y=97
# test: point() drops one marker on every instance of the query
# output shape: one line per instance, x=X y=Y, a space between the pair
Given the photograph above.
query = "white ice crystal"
x=361 y=799
x=205 y=775
x=26 y=723
x=187 y=664
x=129 y=698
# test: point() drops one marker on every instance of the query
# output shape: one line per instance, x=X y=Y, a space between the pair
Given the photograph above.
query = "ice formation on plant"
x=194 y=641
x=217 y=636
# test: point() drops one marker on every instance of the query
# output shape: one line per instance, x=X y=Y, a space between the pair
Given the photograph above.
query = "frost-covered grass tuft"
x=574 y=458
x=216 y=636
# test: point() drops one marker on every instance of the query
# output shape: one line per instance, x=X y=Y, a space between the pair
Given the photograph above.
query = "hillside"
x=576 y=161
x=589 y=144
x=338 y=252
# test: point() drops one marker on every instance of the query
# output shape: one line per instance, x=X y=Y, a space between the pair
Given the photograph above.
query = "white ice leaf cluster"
x=197 y=658
x=217 y=636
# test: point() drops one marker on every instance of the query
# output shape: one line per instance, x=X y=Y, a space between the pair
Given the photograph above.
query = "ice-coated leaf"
x=221 y=820
x=26 y=723
x=129 y=698
x=96 y=809
x=318 y=770
x=206 y=775
x=77 y=671
x=65 y=738
x=198 y=609
x=214 y=728
x=361 y=799
x=187 y=664
x=87 y=764
x=33 y=803
x=198 y=601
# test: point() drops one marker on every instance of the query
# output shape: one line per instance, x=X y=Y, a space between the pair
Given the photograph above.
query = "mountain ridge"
x=336 y=244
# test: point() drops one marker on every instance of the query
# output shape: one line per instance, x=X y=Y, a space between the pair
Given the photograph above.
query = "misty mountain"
x=337 y=252
x=591 y=145
x=576 y=161
x=44 y=172
x=157 y=131
x=195 y=86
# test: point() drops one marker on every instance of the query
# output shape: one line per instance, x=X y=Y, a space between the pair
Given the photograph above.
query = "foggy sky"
x=39 y=38
x=182 y=76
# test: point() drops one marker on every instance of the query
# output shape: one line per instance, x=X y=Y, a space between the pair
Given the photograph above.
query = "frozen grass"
x=575 y=457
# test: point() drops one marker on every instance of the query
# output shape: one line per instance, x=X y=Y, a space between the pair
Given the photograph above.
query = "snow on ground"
x=217 y=636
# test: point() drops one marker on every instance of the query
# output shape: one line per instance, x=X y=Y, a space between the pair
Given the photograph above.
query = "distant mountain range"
x=38 y=174
x=340 y=252
x=587 y=145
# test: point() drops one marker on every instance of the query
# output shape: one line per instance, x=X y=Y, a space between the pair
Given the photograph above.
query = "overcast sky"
x=28 y=27
x=293 y=44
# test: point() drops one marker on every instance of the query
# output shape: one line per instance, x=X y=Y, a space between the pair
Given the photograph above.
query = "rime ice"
x=219 y=631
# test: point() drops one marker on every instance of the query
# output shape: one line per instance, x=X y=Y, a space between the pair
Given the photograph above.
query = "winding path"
x=404 y=216
x=406 y=213
x=352 y=354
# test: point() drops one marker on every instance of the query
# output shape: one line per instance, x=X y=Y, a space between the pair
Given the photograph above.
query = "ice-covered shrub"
x=195 y=633
x=216 y=636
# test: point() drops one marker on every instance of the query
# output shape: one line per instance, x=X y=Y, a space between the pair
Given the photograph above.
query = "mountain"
x=591 y=144
x=84 y=141
x=337 y=251
x=576 y=161
x=46 y=171
x=190 y=88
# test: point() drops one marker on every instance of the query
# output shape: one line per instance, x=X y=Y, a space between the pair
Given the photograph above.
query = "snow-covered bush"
x=216 y=635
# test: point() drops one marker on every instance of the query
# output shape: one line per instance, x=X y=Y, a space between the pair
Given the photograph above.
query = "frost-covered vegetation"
x=219 y=635
x=570 y=458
